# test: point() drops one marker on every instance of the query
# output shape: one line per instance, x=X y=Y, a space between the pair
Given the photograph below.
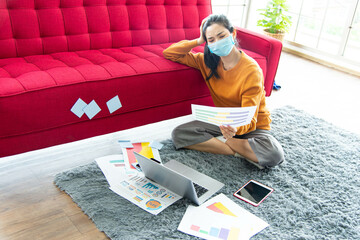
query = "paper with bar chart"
x=233 y=116
x=145 y=193
x=220 y=218
x=136 y=188
x=113 y=168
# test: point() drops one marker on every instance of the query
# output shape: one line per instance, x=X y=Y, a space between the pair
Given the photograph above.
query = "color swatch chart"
x=142 y=148
x=234 y=116
x=206 y=224
x=220 y=218
x=220 y=233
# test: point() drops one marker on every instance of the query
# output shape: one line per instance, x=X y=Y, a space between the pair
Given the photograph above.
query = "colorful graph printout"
x=220 y=233
x=220 y=208
x=220 y=218
x=136 y=188
x=146 y=194
x=233 y=116
x=207 y=224
x=142 y=148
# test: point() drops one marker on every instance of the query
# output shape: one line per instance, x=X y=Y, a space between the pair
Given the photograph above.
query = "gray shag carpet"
x=317 y=189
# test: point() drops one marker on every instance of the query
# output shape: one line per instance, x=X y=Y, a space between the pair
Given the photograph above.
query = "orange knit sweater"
x=241 y=86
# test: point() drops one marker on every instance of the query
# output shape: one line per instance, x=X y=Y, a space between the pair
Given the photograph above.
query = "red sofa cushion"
x=31 y=27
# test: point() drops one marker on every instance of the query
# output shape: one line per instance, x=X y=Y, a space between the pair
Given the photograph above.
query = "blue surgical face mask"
x=222 y=47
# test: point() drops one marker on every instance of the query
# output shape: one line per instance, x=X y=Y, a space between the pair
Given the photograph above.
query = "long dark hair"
x=212 y=60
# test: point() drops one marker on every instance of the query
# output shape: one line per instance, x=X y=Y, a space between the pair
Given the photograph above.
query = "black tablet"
x=253 y=192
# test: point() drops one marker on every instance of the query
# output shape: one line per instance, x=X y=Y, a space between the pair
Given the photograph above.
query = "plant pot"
x=278 y=36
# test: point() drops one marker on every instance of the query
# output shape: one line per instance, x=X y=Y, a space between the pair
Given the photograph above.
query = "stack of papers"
x=125 y=180
x=220 y=218
x=142 y=148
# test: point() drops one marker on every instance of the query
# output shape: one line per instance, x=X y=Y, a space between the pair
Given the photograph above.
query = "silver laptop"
x=179 y=178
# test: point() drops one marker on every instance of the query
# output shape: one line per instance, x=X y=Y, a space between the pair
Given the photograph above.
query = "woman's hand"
x=228 y=131
x=201 y=39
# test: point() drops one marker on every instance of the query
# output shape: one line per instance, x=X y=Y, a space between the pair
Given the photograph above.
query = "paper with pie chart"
x=145 y=193
x=232 y=116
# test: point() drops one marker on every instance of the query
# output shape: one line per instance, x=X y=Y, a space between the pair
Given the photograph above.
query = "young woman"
x=234 y=80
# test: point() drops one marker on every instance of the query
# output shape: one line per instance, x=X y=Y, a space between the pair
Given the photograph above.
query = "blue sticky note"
x=125 y=144
x=114 y=104
x=78 y=108
x=157 y=145
x=92 y=109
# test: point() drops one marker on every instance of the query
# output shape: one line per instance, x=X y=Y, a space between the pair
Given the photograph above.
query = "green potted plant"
x=275 y=22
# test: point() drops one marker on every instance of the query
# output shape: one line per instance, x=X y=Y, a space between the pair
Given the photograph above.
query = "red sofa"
x=53 y=52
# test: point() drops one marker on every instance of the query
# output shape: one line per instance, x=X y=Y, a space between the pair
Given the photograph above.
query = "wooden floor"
x=31 y=207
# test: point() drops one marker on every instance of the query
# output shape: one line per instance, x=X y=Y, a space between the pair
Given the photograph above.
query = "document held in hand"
x=232 y=116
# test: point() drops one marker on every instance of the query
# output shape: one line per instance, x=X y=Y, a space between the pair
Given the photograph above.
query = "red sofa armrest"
x=266 y=46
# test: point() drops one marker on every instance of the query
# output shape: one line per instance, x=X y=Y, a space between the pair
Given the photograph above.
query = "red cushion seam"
x=66 y=36
x=11 y=23
x=42 y=42
x=88 y=28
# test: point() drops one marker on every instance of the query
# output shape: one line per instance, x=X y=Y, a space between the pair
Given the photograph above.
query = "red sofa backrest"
x=33 y=27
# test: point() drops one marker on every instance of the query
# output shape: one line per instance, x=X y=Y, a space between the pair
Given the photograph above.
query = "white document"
x=233 y=116
x=220 y=218
x=145 y=193
x=113 y=168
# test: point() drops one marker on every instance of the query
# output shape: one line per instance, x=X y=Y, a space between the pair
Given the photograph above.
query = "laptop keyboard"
x=199 y=190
